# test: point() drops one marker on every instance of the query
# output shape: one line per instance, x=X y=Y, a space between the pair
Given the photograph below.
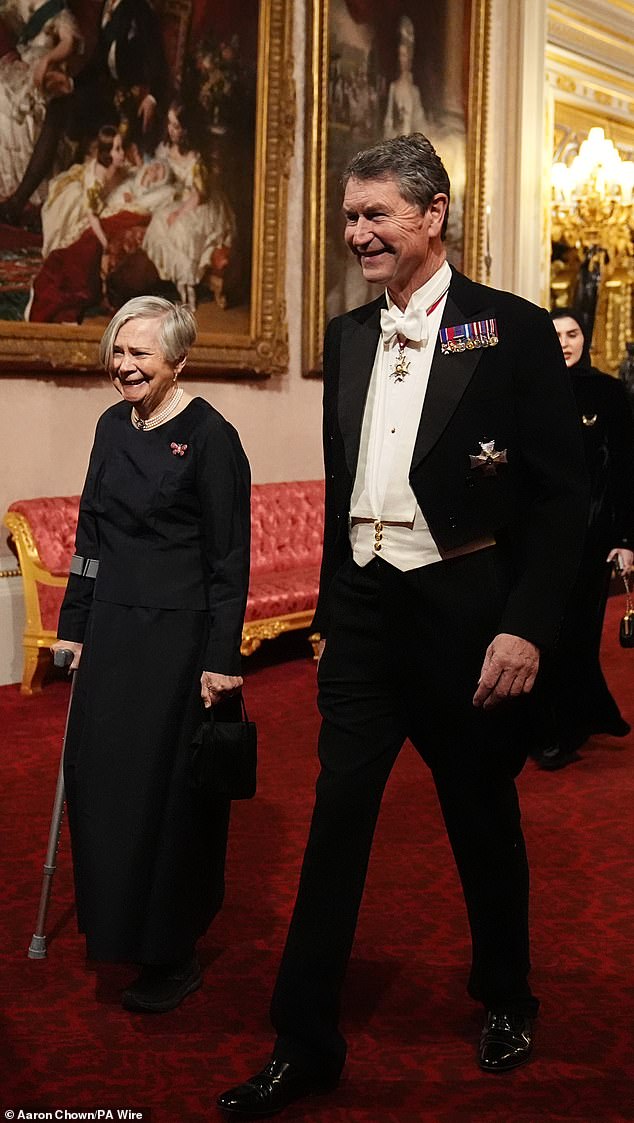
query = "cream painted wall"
x=47 y=425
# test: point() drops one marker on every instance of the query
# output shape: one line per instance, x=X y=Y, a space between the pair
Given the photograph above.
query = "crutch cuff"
x=84 y=567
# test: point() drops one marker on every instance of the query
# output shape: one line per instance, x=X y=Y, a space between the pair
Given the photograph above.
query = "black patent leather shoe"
x=271 y=1090
x=506 y=1041
x=159 y=989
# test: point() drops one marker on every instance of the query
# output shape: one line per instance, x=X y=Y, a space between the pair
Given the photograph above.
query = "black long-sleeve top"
x=167 y=514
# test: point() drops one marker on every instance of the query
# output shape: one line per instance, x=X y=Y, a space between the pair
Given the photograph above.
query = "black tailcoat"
x=516 y=393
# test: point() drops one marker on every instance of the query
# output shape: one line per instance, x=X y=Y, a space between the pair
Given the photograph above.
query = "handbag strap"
x=629 y=606
x=245 y=716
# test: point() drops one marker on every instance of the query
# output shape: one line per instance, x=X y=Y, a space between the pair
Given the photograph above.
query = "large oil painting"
x=383 y=68
x=132 y=160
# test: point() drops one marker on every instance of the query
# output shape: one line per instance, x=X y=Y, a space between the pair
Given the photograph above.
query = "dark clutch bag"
x=224 y=757
x=626 y=630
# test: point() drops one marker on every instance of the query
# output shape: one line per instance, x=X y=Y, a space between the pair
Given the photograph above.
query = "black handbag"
x=626 y=625
x=224 y=757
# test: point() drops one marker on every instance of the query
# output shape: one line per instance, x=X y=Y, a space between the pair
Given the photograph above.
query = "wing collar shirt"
x=382 y=492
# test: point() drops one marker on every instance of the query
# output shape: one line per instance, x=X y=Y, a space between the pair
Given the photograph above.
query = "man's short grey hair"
x=412 y=161
x=178 y=329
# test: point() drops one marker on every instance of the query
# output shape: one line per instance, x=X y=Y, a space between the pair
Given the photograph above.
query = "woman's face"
x=405 y=58
x=140 y=371
x=571 y=339
x=117 y=151
x=175 y=130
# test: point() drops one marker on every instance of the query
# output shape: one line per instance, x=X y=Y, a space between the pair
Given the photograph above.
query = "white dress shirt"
x=382 y=491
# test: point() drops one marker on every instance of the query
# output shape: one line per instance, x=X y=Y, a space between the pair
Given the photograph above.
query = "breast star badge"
x=488 y=458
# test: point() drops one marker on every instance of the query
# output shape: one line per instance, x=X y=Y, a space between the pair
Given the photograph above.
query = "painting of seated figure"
x=135 y=165
x=387 y=69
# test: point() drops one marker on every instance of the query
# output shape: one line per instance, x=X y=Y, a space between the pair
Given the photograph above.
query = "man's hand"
x=214 y=687
x=69 y=645
x=509 y=669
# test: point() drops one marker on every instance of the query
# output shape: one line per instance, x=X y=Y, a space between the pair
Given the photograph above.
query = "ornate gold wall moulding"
x=248 y=338
x=585 y=85
x=605 y=41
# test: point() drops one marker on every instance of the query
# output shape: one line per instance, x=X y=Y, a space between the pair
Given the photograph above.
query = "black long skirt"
x=148 y=851
x=581 y=701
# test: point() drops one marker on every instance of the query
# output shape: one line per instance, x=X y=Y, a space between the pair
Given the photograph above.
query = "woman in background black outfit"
x=154 y=609
x=581 y=701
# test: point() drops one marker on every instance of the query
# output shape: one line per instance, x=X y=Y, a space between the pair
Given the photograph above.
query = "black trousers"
x=402 y=659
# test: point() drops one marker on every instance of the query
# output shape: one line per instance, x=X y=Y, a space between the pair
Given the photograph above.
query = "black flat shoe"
x=271 y=1090
x=506 y=1041
x=159 y=989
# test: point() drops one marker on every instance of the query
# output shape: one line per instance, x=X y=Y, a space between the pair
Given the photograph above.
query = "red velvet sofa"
x=286 y=537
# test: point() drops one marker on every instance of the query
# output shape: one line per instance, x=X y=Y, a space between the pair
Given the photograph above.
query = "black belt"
x=355 y=520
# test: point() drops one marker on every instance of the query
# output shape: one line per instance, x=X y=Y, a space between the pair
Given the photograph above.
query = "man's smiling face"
x=391 y=236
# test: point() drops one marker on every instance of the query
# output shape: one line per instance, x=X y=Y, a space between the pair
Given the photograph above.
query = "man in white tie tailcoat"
x=455 y=509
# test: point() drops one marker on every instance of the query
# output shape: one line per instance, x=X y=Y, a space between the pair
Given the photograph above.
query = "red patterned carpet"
x=69 y=1046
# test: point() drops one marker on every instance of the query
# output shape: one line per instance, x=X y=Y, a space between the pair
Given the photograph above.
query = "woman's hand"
x=69 y=645
x=214 y=687
x=625 y=559
x=146 y=111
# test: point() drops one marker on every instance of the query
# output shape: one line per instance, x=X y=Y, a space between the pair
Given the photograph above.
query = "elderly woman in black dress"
x=153 y=613
x=581 y=700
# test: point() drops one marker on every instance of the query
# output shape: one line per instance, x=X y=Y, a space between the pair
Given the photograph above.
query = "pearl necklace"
x=157 y=418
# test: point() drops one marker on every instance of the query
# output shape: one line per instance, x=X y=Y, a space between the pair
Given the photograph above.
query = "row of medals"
x=451 y=348
x=455 y=345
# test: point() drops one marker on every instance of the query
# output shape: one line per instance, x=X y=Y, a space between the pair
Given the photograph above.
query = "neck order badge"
x=391 y=326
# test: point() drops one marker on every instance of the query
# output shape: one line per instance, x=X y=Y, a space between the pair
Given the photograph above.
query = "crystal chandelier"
x=592 y=202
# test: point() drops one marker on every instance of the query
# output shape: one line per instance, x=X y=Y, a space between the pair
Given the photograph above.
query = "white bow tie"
x=410 y=324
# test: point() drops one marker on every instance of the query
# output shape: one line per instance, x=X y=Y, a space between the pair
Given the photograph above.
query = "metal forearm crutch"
x=37 y=947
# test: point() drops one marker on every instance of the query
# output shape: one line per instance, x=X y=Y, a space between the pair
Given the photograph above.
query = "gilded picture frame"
x=246 y=337
x=374 y=27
